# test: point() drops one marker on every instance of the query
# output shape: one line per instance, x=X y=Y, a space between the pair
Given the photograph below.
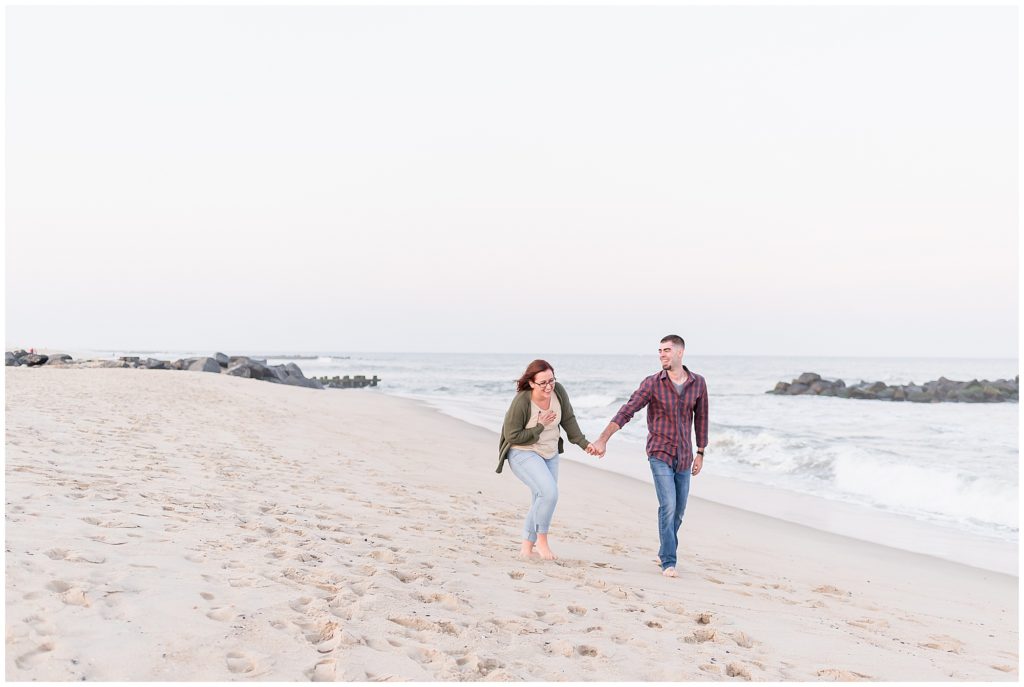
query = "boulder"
x=992 y=394
x=182 y=363
x=204 y=365
x=795 y=389
x=19 y=353
x=12 y=360
x=221 y=359
x=861 y=392
x=899 y=394
x=154 y=364
x=239 y=371
x=245 y=359
x=780 y=388
x=808 y=378
x=59 y=359
x=34 y=359
x=920 y=396
x=820 y=386
x=256 y=370
x=1007 y=385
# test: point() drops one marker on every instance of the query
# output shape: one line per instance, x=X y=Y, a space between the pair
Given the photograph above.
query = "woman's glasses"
x=548 y=382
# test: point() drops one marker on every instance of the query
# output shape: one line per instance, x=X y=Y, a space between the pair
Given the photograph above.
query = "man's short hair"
x=676 y=339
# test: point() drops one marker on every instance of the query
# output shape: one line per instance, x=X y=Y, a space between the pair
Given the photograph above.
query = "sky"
x=760 y=180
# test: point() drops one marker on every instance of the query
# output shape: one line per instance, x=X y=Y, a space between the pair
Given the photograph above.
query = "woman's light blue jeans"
x=673 y=488
x=541 y=476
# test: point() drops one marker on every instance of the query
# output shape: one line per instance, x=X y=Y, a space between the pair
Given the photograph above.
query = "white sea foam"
x=592 y=401
x=946 y=493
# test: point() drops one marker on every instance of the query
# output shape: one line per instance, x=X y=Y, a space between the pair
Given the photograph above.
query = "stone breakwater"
x=237 y=366
x=938 y=391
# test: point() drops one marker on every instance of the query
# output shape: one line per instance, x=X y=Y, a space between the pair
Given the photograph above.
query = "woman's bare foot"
x=526 y=550
x=543 y=549
x=669 y=572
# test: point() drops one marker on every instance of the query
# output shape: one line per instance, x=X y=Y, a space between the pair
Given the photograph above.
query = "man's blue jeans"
x=673 y=488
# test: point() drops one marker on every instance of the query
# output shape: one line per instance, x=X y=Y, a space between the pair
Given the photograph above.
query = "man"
x=676 y=399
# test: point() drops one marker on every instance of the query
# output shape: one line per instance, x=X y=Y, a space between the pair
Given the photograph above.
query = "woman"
x=532 y=443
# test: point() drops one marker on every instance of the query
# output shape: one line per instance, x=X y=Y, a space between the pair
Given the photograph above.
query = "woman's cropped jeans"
x=541 y=476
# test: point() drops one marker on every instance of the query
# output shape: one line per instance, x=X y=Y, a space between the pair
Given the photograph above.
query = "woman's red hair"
x=532 y=370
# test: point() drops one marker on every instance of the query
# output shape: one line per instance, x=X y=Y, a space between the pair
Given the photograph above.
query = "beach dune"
x=165 y=525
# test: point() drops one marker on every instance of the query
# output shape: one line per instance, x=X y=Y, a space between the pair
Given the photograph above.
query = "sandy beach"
x=165 y=525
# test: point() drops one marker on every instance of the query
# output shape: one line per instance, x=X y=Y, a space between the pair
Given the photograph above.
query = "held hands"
x=546 y=417
x=596 y=448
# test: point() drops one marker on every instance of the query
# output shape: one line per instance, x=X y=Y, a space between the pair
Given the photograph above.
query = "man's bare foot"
x=669 y=572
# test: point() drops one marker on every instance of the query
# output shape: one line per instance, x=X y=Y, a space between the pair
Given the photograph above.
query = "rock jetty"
x=219 y=363
x=941 y=390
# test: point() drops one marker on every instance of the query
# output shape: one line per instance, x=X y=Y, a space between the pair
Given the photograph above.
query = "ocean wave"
x=592 y=401
x=765 y=452
x=939 y=492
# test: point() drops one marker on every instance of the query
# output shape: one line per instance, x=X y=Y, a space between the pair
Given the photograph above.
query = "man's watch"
x=700 y=451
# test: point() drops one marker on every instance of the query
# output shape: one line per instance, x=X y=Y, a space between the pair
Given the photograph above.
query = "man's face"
x=671 y=355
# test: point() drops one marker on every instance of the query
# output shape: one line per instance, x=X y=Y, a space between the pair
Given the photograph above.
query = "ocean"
x=953 y=466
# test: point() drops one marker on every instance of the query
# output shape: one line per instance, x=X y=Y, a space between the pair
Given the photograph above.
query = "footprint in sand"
x=324 y=636
x=559 y=648
x=407 y=577
x=944 y=643
x=869 y=623
x=71 y=595
x=577 y=610
x=842 y=675
x=221 y=613
x=239 y=662
x=441 y=626
x=70 y=556
x=34 y=657
x=447 y=601
x=700 y=636
x=41 y=626
x=743 y=640
x=738 y=670
x=385 y=556
x=300 y=604
x=325 y=670
x=832 y=591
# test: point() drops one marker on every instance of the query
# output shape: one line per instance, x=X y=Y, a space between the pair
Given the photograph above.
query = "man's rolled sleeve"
x=640 y=398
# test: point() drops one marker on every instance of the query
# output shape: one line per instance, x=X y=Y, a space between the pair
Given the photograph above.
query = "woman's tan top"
x=547 y=445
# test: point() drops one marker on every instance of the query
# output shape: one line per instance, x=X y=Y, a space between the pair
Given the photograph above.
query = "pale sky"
x=785 y=181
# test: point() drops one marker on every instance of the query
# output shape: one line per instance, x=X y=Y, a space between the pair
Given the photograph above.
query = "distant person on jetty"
x=532 y=443
x=676 y=399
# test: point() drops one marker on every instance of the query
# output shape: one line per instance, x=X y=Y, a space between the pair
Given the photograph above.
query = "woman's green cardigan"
x=514 y=432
